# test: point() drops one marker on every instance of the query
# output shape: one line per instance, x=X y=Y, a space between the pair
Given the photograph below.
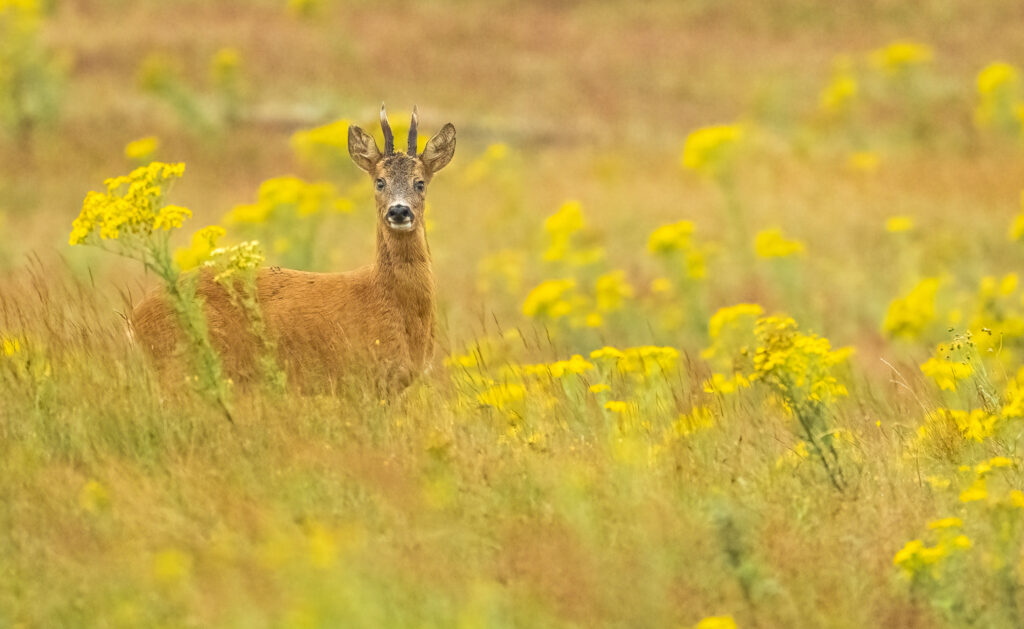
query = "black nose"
x=399 y=214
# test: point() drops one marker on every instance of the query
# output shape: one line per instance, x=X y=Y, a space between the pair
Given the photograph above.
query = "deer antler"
x=412 y=132
x=389 y=138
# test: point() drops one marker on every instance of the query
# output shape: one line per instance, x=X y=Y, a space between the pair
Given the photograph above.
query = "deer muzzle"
x=400 y=217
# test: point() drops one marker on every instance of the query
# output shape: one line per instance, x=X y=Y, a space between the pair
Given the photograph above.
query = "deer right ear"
x=363 y=148
x=439 y=149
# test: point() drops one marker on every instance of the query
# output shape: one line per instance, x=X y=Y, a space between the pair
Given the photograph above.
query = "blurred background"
x=553 y=101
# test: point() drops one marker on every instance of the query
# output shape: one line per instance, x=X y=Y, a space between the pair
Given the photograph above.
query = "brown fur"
x=377 y=320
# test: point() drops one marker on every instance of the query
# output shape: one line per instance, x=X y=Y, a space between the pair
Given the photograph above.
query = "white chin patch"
x=401 y=227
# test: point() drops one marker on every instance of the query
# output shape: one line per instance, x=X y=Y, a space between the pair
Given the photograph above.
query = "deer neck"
x=403 y=270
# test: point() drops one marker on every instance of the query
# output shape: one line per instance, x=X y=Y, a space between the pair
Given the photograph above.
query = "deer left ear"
x=439 y=149
x=363 y=148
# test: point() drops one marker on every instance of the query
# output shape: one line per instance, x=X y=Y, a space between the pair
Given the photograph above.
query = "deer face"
x=400 y=179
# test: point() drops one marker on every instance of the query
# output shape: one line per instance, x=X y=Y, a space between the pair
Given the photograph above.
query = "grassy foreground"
x=732 y=331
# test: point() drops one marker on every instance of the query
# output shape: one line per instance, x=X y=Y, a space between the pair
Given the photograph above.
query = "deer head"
x=400 y=179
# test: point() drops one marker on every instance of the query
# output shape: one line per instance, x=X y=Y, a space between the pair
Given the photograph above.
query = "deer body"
x=377 y=320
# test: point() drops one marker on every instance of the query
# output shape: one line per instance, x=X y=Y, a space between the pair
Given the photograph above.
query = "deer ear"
x=363 y=148
x=439 y=149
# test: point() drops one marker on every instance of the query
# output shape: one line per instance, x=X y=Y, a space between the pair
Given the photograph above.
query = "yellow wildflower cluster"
x=225 y=66
x=771 y=243
x=899 y=224
x=837 y=97
x=674 y=243
x=716 y=622
x=911 y=316
x=900 y=56
x=142 y=149
x=561 y=227
x=326 y=144
x=918 y=561
x=711 y=150
x=241 y=259
x=798 y=366
x=1000 y=104
x=204 y=241
x=641 y=363
x=284 y=198
x=132 y=204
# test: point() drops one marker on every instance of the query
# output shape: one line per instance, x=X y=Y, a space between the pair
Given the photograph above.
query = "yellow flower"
x=996 y=77
x=132 y=204
x=327 y=143
x=242 y=258
x=898 y=224
x=502 y=396
x=700 y=418
x=599 y=388
x=575 y=365
x=709 y=150
x=770 y=243
x=716 y=622
x=171 y=567
x=899 y=56
x=549 y=299
x=863 y=162
x=999 y=91
x=10 y=346
x=838 y=94
x=617 y=406
x=661 y=285
x=612 y=290
x=1017 y=227
x=946 y=373
x=909 y=317
x=204 y=241
x=560 y=227
x=672 y=237
x=171 y=217
x=977 y=491
x=946 y=523
x=225 y=66
x=724 y=385
x=142 y=149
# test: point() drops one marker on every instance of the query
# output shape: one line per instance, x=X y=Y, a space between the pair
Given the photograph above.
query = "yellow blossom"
x=901 y=55
x=204 y=241
x=770 y=243
x=142 y=149
x=171 y=567
x=863 y=162
x=909 y=317
x=838 y=94
x=709 y=150
x=716 y=622
x=612 y=290
x=946 y=373
x=946 y=523
x=549 y=299
x=898 y=224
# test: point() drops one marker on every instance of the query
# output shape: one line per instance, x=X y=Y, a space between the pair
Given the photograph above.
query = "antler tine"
x=412 y=132
x=389 y=138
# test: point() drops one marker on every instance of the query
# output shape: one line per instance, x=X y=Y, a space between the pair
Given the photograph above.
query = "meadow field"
x=730 y=317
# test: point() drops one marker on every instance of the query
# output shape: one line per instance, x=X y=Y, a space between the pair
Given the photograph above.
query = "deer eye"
x=380 y=185
x=420 y=186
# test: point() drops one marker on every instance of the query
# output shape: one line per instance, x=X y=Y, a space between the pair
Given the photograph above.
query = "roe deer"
x=377 y=320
